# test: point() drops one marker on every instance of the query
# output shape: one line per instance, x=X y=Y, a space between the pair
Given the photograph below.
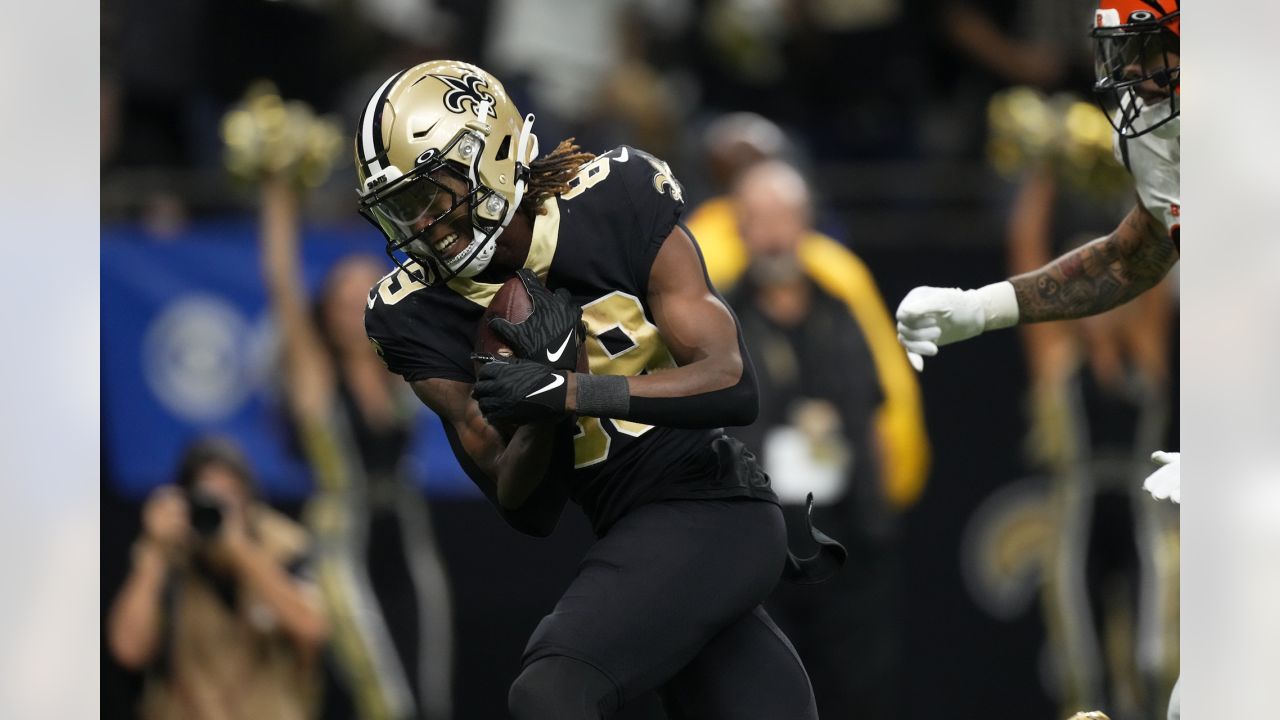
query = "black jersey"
x=599 y=241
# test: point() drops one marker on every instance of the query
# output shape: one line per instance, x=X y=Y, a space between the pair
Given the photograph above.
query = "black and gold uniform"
x=599 y=241
x=691 y=539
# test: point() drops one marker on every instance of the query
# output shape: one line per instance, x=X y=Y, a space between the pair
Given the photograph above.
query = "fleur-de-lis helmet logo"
x=466 y=93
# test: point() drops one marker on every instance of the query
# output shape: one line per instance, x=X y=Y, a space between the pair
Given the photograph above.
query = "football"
x=512 y=303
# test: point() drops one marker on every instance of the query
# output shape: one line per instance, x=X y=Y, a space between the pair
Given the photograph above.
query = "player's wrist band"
x=606 y=396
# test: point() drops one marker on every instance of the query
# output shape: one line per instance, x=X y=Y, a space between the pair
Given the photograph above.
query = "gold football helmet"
x=434 y=141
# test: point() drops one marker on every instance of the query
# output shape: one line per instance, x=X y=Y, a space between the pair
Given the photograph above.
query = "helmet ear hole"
x=504 y=149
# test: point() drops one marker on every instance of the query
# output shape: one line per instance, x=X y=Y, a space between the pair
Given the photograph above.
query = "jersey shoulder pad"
x=630 y=177
x=650 y=180
x=656 y=201
x=622 y=205
x=415 y=340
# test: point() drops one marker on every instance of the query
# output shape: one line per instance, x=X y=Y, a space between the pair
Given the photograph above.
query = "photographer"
x=217 y=608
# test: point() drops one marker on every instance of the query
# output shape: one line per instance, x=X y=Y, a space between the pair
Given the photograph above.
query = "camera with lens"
x=205 y=513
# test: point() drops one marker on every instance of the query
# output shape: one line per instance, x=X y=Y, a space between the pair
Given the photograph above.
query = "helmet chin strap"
x=528 y=142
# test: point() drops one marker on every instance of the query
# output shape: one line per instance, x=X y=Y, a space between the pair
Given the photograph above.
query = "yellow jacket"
x=900 y=420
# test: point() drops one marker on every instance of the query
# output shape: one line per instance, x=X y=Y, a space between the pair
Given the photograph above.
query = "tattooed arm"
x=1107 y=272
x=1099 y=276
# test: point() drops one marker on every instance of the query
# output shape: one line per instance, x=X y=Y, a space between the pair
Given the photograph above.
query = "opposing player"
x=1138 y=85
x=1137 y=50
x=690 y=537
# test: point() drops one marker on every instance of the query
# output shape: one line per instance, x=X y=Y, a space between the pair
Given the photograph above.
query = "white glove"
x=1166 y=481
x=930 y=317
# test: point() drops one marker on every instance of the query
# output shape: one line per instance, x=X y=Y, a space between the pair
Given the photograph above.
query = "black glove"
x=550 y=335
x=519 y=392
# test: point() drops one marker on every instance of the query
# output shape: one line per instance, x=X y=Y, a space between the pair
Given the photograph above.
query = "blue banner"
x=188 y=349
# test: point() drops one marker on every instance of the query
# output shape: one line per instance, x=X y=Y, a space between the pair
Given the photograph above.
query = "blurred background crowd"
x=280 y=518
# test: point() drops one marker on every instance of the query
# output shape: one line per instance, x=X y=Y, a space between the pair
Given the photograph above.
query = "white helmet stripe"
x=1106 y=18
x=371 y=142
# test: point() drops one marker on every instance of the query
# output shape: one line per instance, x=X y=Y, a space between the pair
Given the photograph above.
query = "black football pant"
x=670 y=599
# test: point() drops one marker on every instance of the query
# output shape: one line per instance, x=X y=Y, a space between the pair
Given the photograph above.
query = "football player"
x=1137 y=44
x=690 y=536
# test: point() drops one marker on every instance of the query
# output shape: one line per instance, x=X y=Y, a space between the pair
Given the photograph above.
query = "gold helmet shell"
x=442 y=117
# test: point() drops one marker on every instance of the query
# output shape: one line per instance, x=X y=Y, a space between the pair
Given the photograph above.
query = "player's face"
x=1147 y=58
x=770 y=224
x=223 y=485
x=448 y=234
x=429 y=216
x=1152 y=64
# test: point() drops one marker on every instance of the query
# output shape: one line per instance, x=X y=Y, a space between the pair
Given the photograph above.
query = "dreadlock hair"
x=550 y=174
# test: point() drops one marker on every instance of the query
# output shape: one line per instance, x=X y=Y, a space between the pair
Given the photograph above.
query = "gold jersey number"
x=397 y=285
x=591 y=174
x=620 y=341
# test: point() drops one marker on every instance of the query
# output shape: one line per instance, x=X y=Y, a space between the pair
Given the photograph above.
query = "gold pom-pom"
x=265 y=135
x=1064 y=132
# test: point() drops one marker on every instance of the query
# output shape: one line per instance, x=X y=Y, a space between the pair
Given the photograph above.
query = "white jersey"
x=1153 y=159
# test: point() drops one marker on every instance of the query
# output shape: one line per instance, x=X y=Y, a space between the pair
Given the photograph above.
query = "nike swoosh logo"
x=556 y=381
x=622 y=156
x=554 y=356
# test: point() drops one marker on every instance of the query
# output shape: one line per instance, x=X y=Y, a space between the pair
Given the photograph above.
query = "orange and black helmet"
x=1137 y=57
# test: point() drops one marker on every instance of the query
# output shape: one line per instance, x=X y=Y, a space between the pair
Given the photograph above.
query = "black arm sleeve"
x=539 y=514
x=737 y=405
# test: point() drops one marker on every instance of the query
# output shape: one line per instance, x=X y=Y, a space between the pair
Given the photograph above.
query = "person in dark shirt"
x=690 y=535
